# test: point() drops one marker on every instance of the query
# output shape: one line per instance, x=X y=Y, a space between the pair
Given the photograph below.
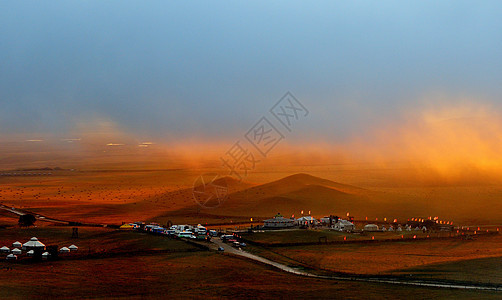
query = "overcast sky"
x=178 y=69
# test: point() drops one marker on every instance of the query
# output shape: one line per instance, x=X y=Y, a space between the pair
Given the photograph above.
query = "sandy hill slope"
x=289 y=196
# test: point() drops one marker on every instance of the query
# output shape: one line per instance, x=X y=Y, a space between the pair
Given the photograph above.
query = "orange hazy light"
x=344 y=238
x=373 y=237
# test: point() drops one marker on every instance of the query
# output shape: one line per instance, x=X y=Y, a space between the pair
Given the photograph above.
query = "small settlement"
x=34 y=249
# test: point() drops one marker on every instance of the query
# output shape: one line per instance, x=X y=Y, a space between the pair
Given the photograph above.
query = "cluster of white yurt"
x=31 y=247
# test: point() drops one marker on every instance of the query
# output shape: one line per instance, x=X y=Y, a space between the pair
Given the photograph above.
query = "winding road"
x=239 y=252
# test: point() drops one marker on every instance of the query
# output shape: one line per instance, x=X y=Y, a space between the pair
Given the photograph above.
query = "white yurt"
x=399 y=228
x=370 y=227
x=45 y=255
x=64 y=250
x=16 y=251
x=17 y=245
x=383 y=228
x=30 y=253
x=32 y=244
x=5 y=249
x=391 y=228
x=11 y=257
x=73 y=248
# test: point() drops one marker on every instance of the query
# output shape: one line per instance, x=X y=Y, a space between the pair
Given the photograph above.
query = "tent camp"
x=33 y=244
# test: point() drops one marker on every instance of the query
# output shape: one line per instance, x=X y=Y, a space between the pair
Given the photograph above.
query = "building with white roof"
x=279 y=222
x=33 y=244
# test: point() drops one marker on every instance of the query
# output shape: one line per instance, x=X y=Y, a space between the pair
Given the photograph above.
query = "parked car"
x=186 y=234
x=221 y=249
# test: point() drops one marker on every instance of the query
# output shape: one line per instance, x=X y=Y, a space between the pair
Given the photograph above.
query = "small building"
x=11 y=257
x=279 y=222
x=30 y=253
x=344 y=225
x=73 y=248
x=307 y=221
x=5 y=249
x=370 y=227
x=46 y=255
x=33 y=244
x=16 y=251
x=17 y=245
x=64 y=250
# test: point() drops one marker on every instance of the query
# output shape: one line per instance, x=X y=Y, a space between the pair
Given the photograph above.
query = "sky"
x=181 y=71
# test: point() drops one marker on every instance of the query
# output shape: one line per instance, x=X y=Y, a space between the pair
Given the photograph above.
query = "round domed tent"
x=5 y=249
x=371 y=227
x=64 y=250
x=17 y=244
x=73 y=248
x=11 y=257
x=33 y=244
x=45 y=255
x=30 y=253
x=16 y=251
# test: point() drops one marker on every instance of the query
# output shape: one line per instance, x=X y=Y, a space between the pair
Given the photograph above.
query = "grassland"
x=179 y=275
x=439 y=258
